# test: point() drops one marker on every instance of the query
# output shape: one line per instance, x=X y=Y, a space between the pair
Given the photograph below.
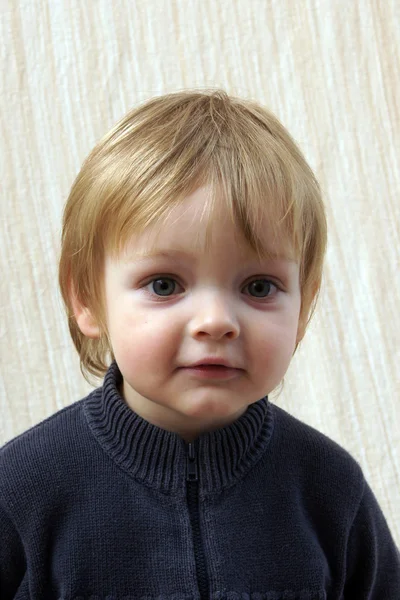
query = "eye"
x=163 y=286
x=261 y=288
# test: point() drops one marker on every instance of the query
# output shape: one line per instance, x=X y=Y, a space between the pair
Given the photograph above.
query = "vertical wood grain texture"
x=329 y=70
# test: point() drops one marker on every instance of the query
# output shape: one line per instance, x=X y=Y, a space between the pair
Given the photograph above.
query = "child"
x=178 y=479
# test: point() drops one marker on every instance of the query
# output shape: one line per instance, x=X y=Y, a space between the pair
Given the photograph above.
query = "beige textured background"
x=329 y=70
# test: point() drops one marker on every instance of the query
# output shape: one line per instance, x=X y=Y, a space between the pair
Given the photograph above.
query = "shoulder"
x=314 y=459
x=44 y=454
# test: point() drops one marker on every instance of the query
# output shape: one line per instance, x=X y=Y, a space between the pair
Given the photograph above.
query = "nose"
x=214 y=318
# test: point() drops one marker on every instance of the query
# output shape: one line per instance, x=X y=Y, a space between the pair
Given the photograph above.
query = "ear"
x=301 y=329
x=305 y=313
x=84 y=318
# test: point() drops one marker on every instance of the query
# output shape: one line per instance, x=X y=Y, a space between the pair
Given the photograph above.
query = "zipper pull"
x=191 y=464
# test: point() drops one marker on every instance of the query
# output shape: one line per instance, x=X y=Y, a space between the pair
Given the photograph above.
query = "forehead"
x=199 y=227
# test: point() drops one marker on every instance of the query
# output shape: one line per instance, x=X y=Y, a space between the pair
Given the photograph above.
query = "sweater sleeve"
x=373 y=560
x=12 y=558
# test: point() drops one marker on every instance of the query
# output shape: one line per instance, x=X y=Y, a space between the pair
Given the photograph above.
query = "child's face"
x=168 y=312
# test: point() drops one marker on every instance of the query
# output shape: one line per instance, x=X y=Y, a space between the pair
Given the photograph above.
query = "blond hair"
x=157 y=155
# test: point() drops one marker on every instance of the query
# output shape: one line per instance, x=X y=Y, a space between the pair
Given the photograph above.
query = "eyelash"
x=165 y=277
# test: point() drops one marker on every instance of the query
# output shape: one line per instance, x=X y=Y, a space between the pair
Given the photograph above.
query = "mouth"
x=212 y=361
x=211 y=367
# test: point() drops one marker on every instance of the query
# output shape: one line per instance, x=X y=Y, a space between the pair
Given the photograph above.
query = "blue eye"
x=163 y=286
x=260 y=287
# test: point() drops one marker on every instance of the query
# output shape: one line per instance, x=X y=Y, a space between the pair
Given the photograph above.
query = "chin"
x=215 y=408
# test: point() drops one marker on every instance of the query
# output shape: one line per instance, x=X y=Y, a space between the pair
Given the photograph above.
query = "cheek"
x=271 y=355
x=274 y=342
x=141 y=340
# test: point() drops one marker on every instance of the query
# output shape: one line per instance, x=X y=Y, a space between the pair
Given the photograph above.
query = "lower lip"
x=213 y=372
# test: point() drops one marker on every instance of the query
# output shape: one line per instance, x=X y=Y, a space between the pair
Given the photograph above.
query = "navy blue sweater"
x=98 y=504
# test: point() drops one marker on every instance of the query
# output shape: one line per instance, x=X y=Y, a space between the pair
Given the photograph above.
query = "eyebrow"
x=182 y=254
x=151 y=254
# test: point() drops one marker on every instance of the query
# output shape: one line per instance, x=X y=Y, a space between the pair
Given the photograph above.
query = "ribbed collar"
x=157 y=458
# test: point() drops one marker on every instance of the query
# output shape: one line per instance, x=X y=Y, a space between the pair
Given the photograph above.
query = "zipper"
x=192 y=480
